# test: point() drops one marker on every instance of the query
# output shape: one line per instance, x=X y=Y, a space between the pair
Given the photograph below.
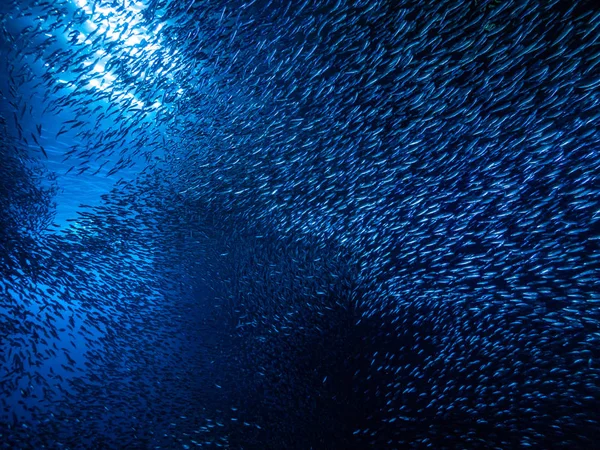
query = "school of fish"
x=352 y=224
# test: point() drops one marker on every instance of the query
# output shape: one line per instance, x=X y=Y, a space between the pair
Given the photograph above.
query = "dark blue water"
x=299 y=225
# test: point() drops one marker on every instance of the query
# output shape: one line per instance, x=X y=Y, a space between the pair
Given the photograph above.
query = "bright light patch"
x=123 y=25
x=99 y=67
x=95 y=83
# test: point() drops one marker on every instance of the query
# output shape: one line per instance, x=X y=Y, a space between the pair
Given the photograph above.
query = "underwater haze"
x=299 y=224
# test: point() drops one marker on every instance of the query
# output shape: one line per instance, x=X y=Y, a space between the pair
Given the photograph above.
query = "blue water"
x=311 y=225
